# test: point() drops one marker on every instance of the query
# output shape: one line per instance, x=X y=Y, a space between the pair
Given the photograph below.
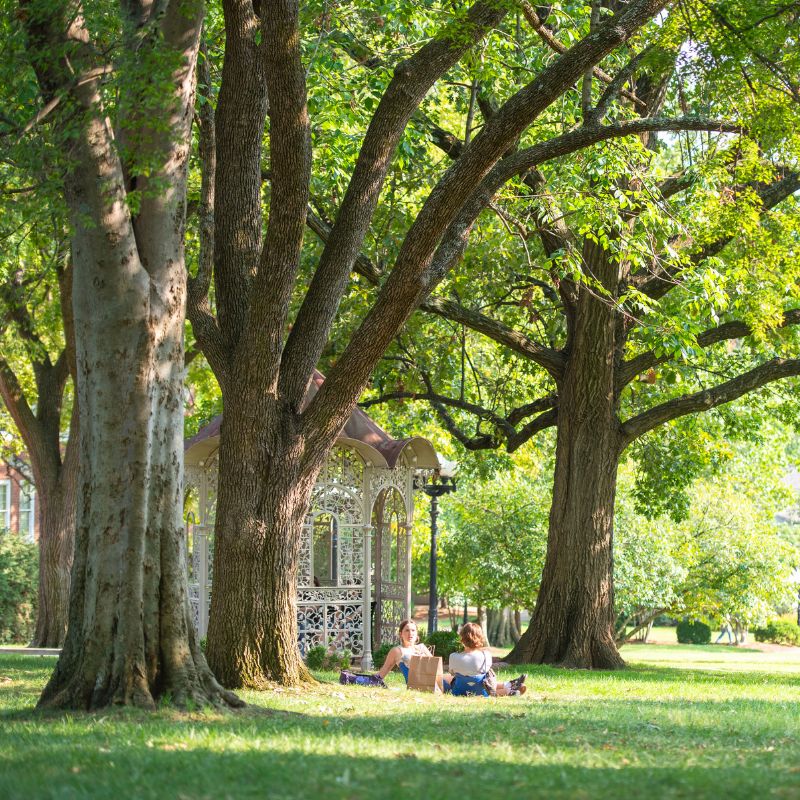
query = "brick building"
x=18 y=511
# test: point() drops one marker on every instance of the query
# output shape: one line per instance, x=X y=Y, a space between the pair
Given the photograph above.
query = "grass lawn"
x=682 y=722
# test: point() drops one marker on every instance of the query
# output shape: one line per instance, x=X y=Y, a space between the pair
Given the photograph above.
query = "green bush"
x=445 y=642
x=319 y=658
x=19 y=573
x=315 y=657
x=779 y=631
x=693 y=632
x=379 y=654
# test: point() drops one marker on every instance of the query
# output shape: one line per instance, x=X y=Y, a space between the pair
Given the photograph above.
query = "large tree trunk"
x=261 y=506
x=56 y=547
x=573 y=623
x=130 y=638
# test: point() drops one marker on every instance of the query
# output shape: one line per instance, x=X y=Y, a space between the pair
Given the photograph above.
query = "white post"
x=202 y=582
x=366 y=655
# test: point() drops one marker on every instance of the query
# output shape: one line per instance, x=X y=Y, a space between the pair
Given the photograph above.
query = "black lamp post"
x=436 y=488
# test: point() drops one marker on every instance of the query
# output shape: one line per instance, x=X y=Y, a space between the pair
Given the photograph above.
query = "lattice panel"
x=351 y=556
x=310 y=627
x=331 y=594
x=344 y=504
x=345 y=627
x=343 y=466
x=392 y=614
x=304 y=572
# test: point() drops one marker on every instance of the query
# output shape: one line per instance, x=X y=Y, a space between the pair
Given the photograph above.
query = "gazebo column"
x=408 y=526
x=366 y=656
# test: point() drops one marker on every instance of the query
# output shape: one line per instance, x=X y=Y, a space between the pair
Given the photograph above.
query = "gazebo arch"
x=354 y=575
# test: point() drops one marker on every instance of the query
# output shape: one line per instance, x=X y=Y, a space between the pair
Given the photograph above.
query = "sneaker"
x=517 y=683
x=518 y=692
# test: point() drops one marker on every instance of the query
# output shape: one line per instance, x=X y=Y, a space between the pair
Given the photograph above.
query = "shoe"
x=518 y=692
x=517 y=683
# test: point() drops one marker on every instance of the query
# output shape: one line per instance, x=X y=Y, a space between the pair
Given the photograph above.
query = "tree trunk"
x=516 y=626
x=130 y=638
x=573 y=623
x=56 y=547
x=261 y=507
x=481 y=613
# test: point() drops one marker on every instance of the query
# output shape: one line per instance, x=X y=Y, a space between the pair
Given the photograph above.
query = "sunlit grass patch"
x=674 y=725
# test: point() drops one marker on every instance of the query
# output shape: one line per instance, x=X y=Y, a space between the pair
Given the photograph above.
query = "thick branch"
x=774 y=370
x=550 y=359
x=411 y=82
x=729 y=330
x=550 y=40
x=410 y=280
x=290 y=162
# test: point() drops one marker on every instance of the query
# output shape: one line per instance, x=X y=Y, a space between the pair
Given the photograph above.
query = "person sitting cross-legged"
x=470 y=667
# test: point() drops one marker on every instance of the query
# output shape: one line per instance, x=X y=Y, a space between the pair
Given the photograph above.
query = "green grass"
x=682 y=722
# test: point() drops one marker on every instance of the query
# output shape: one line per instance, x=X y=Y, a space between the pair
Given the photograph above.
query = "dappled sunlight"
x=686 y=732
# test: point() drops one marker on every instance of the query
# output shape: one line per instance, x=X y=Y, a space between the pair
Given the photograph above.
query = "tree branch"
x=290 y=167
x=550 y=40
x=411 y=82
x=773 y=370
x=657 y=282
x=728 y=330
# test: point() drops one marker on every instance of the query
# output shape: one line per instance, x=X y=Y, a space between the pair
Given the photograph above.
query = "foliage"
x=379 y=653
x=494 y=536
x=682 y=721
x=726 y=558
x=444 y=643
x=18 y=587
x=779 y=631
x=693 y=631
x=322 y=658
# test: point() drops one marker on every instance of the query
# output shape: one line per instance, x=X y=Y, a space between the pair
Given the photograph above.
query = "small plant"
x=315 y=657
x=379 y=653
x=693 y=631
x=445 y=643
x=320 y=658
x=204 y=644
x=779 y=631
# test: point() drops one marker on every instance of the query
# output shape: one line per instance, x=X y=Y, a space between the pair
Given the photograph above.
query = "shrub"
x=693 y=632
x=445 y=642
x=379 y=654
x=19 y=572
x=319 y=658
x=315 y=657
x=779 y=631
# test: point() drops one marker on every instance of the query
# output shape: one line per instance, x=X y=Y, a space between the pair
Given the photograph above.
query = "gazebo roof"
x=361 y=433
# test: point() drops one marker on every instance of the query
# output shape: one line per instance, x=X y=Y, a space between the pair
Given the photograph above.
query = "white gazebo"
x=354 y=580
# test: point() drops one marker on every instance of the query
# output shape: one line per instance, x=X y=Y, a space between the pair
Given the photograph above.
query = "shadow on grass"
x=301 y=761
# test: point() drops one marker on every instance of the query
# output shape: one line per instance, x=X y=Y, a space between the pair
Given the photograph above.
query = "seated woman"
x=400 y=656
x=469 y=668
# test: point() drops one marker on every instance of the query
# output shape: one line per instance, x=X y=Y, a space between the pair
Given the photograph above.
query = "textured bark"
x=56 y=546
x=130 y=638
x=55 y=470
x=261 y=506
x=573 y=621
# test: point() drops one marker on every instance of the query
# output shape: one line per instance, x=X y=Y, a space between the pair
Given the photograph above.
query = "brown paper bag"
x=425 y=674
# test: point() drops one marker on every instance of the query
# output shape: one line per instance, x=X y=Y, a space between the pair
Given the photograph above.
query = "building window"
x=27 y=515
x=5 y=504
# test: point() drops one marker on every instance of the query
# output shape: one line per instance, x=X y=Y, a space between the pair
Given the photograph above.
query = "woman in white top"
x=410 y=645
x=477 y=660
